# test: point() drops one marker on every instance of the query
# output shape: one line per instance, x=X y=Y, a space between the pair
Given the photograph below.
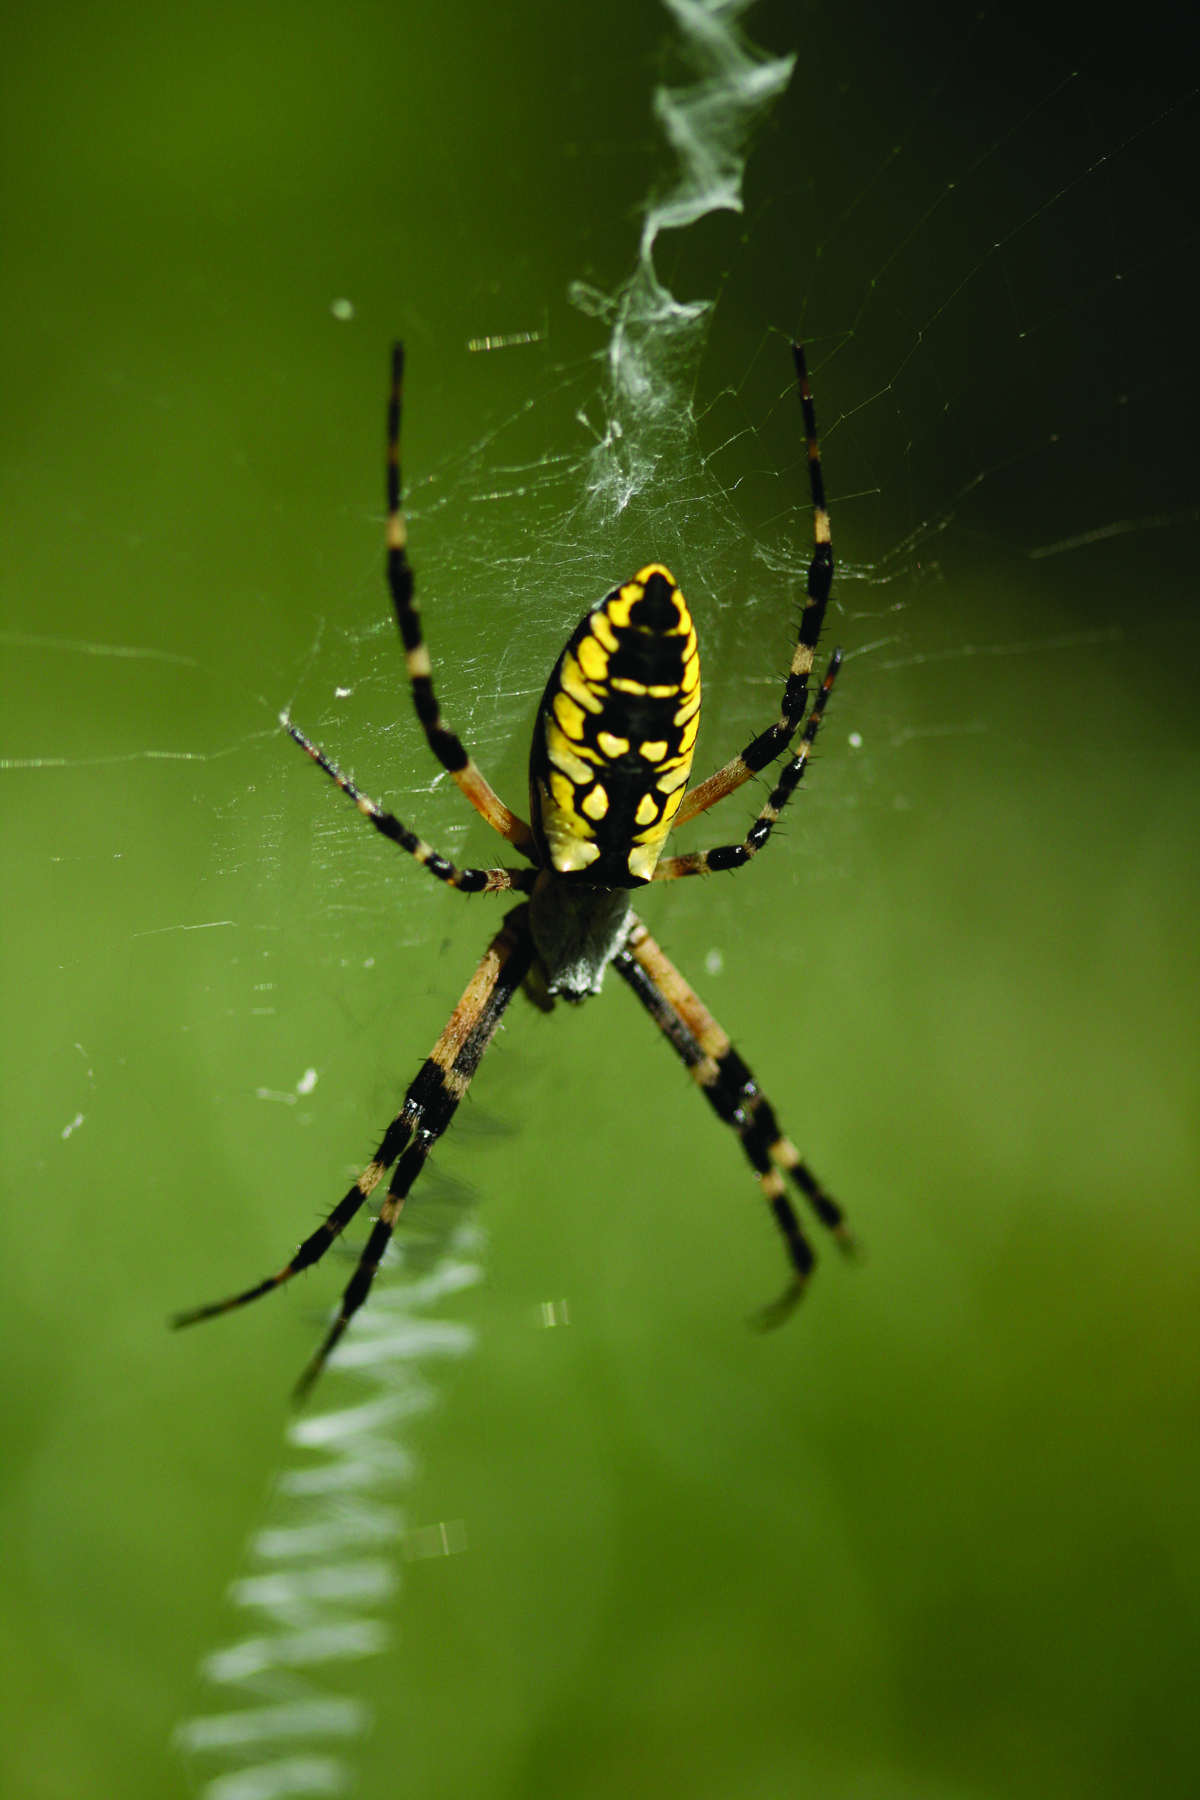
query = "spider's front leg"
x=446 y=746
x=738 y=1101
x=762 y=750
x=429 y=1106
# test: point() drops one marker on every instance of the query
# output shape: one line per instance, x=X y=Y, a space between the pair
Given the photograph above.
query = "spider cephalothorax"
x=612 y=750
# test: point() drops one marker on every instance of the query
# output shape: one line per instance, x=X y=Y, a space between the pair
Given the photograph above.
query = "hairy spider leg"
x=736 y=856
x=735 y=1097
x=317 y=1243
x=444 y=1080
x=442 y=741
x=468 y=881
x=428 y=1108
x=715 y=1043
x=762 y=750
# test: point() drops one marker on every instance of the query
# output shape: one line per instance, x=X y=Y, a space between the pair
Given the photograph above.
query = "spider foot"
x=308 y=1379
x=771 y=1316
x=851 y=1246
x=193 y=1315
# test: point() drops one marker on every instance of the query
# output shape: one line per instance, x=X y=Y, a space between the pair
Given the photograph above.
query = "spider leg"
x=317 y=1243
x=761 y=751
x=444 y=1080
x=445 y=745
x=736 y=1098
x=736 y=856
x=470 y=881
x=427 y=1110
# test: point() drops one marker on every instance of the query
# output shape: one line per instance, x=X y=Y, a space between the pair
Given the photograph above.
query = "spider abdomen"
x=615 y=735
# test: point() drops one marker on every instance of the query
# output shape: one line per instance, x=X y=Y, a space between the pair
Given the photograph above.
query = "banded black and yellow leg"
x=503 y=967
x=732 y=1092
x=761 y=751
x=469 y=881
x=443 y=742
x=736 y=856
x=442 y=1082
x=317 y=1243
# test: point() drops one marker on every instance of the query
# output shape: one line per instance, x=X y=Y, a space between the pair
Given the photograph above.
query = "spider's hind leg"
x=332 y=1226
x=738 y=1082
x=734 y=1095
x=443 y=1080
x=429 y=1106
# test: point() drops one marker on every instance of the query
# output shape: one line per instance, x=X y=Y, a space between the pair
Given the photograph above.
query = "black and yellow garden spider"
x=612 y=749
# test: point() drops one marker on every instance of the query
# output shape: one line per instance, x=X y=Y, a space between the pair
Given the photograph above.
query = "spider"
x=612 y=749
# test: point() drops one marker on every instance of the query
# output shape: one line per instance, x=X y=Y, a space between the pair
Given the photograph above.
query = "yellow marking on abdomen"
x=569 y=716
x=622 y=604
x=569 y=854
x=564 y=797
x=643 y=857
x=593 y=659
x=562 y=754
x=674 y=778
x=603 y=630
x=571 y=678
x=612 y=746
x=647 y=811
x=653 y=752
x=568 y=836
x=595 y=804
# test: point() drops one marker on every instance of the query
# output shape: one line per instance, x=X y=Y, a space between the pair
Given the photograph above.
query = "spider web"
x=969 y=317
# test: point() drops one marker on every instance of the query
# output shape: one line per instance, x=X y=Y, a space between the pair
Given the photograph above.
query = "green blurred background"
x=936 y=1539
